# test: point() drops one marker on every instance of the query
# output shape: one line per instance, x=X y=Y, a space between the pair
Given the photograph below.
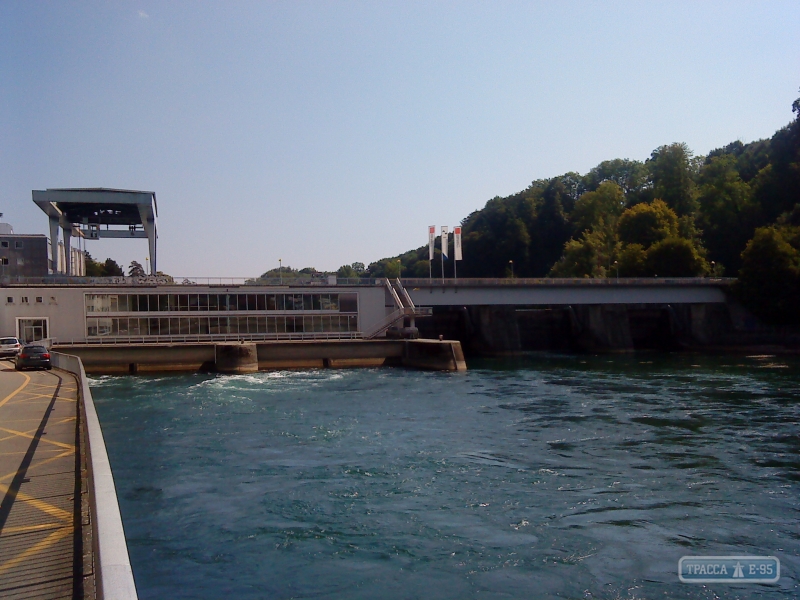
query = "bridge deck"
x=41 y=546
x=561 y=292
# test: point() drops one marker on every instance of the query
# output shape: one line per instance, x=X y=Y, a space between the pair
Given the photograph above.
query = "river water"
x=544 y=477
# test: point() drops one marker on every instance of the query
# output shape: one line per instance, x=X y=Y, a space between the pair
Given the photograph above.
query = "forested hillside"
x=673 y=215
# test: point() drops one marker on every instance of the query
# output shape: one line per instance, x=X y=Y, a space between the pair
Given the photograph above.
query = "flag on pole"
x=456 y=243
x=431 y=240
x=444 y=240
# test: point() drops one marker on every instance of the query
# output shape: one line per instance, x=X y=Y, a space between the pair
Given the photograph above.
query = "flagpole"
x=431 y=253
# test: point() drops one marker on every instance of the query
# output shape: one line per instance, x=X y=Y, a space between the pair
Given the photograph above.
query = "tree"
x=671 y=173
x=769 y=280
x=347 y=272
x=728 y=215
x=778 y=184
x=112 y=269
x=646 y=224
x=550 y=231
x=588 y=256
x=632 y=261
x=605 y=205
x=135 y=269
x=630 y=175
x=675 y=257
x=93 y=268
x=421 y=268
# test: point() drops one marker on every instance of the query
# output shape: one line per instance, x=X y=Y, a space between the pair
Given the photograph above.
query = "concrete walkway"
x=41 y=544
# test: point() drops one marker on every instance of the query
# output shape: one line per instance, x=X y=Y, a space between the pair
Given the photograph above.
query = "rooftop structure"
x=85 y=211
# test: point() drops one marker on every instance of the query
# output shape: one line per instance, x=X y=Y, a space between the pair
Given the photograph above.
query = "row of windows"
x=25 y=299
x=96 y=303
x=17 y=244
x=219 y=325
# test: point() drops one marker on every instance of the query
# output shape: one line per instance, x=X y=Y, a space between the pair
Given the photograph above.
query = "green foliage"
x=93 y=268
x=588 y=256
x=422 y=268
x=675 y=257
x=666 y=216
x=136 y=269
x=109 y=268
x=769 y=280
x=288 y=273
x=672 y=176
x=647 y=224
x=347 y=272
x=728 y=215
x=632 y=261
x=112 y=269
x=597 y=208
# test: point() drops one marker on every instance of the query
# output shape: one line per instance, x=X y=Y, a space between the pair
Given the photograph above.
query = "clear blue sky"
x=325 y=132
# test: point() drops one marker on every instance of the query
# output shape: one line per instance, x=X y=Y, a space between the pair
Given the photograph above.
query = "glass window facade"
x=182 y=314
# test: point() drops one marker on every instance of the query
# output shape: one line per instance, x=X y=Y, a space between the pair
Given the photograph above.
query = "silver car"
x=9 y=346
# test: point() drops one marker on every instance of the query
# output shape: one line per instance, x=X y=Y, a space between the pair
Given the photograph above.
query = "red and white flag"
x=457 y=243
x=431 y=240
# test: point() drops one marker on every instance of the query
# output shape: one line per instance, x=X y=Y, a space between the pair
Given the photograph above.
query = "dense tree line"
x=109 y=268
x=733 y=212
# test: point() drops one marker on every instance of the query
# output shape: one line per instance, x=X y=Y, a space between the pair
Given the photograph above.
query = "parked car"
x=9 y=346
x=33 y=356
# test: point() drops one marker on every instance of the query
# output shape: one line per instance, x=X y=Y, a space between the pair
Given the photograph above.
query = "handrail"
x=162 y=281
x=586 y=281
x=397 y=300
x=197 y=338
x=113 y=572
x=167 y=281
x=408 y=301
x=395 y=316
x=384 y=324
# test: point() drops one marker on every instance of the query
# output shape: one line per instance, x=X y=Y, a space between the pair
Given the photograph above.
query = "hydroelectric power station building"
x=155 y=323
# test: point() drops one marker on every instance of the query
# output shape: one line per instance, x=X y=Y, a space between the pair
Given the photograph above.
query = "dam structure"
x=154 y=322
x=145 y=324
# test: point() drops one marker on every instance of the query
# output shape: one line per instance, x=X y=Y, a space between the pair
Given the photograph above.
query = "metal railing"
x=546 y=281
x=147 y=281
x=394 y=317
x=201 y=338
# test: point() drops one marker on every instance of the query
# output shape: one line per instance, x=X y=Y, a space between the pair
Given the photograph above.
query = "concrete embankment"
x=247 y=357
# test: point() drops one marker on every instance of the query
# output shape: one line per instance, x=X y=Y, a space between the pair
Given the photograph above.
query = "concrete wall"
x=422 y=354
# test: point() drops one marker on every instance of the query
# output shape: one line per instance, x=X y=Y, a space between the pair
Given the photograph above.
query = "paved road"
x=41 y=549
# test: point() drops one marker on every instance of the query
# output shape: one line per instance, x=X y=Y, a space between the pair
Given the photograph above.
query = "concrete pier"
x=249 y=357
x=236 y=358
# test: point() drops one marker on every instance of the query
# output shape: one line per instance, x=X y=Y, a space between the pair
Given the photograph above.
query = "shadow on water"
x=546 y=476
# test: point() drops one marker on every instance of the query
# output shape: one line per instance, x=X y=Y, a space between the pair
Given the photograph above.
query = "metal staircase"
x=404 y=308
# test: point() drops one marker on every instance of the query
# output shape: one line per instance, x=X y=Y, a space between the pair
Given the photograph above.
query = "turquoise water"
x=544 y=477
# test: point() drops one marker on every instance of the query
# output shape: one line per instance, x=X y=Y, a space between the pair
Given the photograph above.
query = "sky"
x=323 y=133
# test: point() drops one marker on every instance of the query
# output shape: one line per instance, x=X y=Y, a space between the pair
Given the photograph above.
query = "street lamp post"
x=616 y=264
x=713 y=268
x=280 y=270
x=511 y=262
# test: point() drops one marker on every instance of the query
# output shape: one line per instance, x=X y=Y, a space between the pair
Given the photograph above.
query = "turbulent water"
x=548 y=477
